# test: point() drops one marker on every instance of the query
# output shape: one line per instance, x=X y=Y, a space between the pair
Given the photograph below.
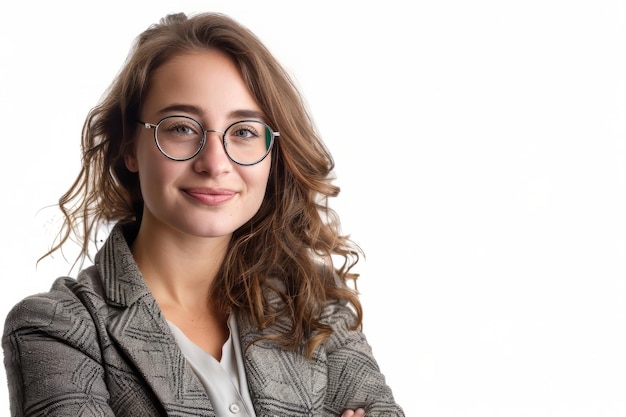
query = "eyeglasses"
x=180 y=138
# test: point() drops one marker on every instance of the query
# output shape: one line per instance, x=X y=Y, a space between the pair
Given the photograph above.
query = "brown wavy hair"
x=294 y=238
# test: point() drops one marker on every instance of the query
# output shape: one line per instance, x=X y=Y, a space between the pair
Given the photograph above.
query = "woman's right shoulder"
x=68 y=300
x=70 y=315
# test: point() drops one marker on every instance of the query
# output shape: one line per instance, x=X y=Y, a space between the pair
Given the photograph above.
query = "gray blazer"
x=99 y=346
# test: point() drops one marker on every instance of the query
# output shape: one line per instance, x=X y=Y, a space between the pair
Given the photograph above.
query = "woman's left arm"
x=354 y=377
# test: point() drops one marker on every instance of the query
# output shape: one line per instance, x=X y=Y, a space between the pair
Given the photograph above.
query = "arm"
x=53 y=360
x=354 y=378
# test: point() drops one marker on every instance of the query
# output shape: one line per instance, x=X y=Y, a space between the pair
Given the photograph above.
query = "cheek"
x=264 y=174
x=155 y=171
x=256 y=179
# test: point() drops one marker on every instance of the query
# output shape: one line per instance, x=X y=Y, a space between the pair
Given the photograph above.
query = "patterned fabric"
x=99 y=346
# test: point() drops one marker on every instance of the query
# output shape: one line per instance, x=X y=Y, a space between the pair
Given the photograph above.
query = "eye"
x=244 y=132
x=182 y=129
x=177 y=128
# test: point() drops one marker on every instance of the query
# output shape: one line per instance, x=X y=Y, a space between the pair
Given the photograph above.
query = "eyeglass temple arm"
x=147 y=125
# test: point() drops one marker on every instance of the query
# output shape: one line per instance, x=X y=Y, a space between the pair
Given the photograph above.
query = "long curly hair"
x=293 y=246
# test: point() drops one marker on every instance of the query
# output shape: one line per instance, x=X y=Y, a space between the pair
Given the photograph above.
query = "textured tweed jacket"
x=99 y=346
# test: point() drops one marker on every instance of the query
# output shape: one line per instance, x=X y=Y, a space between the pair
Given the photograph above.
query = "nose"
x=212 y=159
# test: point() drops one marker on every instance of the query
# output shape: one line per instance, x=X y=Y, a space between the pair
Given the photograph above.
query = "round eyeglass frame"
x=274 y=135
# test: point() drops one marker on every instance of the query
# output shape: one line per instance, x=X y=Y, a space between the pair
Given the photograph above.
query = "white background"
x=481 y=150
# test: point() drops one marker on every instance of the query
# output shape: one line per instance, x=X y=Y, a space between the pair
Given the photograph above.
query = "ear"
x=130 y=160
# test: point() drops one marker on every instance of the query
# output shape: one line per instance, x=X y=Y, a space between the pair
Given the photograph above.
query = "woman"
x=215 y=292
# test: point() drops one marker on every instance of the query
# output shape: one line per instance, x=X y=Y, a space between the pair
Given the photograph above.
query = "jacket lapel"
x=281 y=382
x=137 y=326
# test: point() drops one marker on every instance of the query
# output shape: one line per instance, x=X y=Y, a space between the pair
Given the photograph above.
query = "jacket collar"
x=122 y=281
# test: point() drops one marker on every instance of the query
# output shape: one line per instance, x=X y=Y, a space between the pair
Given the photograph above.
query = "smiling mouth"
x=211 y=197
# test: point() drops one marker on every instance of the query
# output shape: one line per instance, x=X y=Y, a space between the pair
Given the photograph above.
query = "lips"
x=210 y=196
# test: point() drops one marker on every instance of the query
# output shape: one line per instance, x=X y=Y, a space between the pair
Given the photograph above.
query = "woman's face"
x=208 y=195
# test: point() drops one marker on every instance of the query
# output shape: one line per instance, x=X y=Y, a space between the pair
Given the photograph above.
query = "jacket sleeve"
x=354 y=377
x=52 y=358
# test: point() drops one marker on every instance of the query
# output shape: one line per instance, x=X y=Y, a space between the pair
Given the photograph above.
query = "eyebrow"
x=197 y=111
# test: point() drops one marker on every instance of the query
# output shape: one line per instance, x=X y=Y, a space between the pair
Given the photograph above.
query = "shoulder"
x=64 y=312
x=33 y=307
x=339 y=315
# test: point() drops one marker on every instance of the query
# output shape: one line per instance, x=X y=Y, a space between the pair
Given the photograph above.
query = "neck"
x=178 y=269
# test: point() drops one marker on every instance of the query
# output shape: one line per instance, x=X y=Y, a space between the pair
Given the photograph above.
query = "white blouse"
x=225 y=381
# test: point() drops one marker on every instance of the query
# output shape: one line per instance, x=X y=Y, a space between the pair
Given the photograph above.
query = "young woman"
x=217 y=290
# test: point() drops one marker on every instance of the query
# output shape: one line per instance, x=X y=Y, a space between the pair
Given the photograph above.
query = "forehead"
x=208 y=80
